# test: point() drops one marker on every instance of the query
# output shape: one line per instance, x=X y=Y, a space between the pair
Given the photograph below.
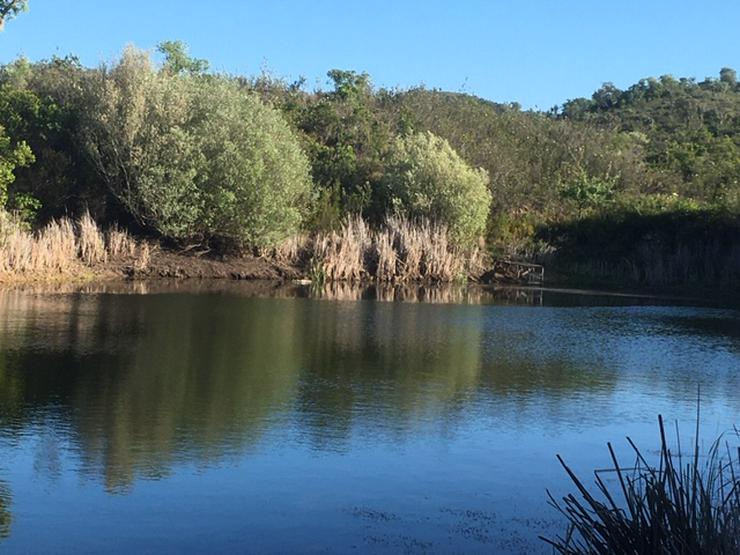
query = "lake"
x=243 y=417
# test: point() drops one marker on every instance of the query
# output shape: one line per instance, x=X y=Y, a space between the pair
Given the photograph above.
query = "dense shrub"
x=41 y=104
x=193 y=156
x=428 y=179
x=11 y=156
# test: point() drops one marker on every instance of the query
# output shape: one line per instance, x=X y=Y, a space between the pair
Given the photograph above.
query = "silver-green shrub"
x=428 y=179
x=193 y=156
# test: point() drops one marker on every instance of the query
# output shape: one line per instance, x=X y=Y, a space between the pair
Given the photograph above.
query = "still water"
x=247 y=418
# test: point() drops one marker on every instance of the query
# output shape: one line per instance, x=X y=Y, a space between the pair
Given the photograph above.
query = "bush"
x=11 y=156
x=193 y=156
x=428 y=179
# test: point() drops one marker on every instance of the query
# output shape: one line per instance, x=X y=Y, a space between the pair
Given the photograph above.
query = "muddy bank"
x=171 y=264
x=165 y=264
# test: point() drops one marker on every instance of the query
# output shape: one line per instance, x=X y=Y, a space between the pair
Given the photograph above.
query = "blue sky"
x=537 y=52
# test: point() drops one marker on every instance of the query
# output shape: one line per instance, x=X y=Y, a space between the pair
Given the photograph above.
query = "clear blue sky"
x=537 y=52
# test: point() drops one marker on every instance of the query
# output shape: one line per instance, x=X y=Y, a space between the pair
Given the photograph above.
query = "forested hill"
x=690 y=129
x=136 y=142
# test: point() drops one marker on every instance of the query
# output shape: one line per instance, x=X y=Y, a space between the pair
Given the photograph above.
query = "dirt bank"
x=164 y=263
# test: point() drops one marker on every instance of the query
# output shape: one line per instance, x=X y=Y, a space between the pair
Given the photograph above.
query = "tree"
x=42 y=103
x=193 y=158
x=588 y=191
x=177 y=60
x=728 y=75
x=11 y=8
x=12 y=155
x=347 y=137
x=428 y=179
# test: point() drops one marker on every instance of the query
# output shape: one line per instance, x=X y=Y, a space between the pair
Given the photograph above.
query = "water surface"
x=249 y=418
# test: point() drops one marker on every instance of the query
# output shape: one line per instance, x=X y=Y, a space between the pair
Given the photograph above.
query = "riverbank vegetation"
x=66 y=247
x=219 y=164
x=684 y=504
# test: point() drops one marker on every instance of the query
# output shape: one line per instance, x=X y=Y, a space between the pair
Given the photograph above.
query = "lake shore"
x=170 y=269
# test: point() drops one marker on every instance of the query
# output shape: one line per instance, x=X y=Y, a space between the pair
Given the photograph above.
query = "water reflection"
x=118 y=387
x=142 y=381
x=5 y=515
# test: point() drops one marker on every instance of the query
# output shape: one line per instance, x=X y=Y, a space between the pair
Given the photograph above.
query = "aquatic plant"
x=401 y=250
x=63 y=246
x=682 y=505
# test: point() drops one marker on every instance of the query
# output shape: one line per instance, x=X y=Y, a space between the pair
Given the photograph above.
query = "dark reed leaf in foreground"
x=679 y=507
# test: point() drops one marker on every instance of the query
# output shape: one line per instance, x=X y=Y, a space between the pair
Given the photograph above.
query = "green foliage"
x=526 y=154
x=587 y=191
x=348 y=137
x=42 y=104
x=177 y=60
x=11 y=8
x=26 y=207
x=195 y=157
x=12 y=155
x=428 y=179
x=692 y=130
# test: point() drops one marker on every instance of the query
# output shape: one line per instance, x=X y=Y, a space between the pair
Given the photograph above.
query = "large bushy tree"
x=41 y=104
x=428 y=179
x=194 y=156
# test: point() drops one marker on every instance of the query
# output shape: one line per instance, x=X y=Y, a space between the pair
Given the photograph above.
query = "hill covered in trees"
x=172 y=150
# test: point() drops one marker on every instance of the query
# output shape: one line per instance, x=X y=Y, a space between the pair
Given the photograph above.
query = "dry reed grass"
x=120 y=243
x=340 y=255
x=90 y=241
x=63 y=246
x=400 y=251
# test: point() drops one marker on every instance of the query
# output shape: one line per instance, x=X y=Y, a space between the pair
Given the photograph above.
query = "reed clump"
x=119 y=243
x=401 y=250
x=90 y=240
x=63 y=246
x=678 y=506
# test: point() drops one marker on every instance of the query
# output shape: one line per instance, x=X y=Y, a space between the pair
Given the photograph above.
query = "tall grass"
x=684 y=505
x=63 y=246
x=90 y=240
x=340 y=255
x=399 y=251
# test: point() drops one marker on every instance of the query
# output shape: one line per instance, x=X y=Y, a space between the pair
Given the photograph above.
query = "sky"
x=536 y=52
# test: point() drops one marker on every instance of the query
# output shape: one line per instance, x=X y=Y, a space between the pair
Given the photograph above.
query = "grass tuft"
x=684 y=504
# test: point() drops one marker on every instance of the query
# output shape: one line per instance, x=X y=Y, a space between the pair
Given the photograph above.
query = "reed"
x=340 y=255
x=685 y=504
x=61 y=247
x=90 y=240
x=399 y=251
x=119 y=243
x=143 y=259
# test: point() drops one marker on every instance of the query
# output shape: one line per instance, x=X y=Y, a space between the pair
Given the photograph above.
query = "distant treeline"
x=176 y=151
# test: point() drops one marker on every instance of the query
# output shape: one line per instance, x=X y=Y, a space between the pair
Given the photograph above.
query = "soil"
x=168 y=264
